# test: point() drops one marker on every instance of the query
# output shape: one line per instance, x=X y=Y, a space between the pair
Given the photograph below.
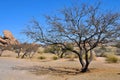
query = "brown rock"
x=3 y=41
x=9 y=37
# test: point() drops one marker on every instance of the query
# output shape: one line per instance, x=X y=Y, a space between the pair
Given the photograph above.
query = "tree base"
x=84 y=70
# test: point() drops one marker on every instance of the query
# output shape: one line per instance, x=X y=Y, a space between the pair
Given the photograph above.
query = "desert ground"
x=12 y=68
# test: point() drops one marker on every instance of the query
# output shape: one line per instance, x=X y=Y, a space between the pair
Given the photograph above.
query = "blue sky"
x=16 y=14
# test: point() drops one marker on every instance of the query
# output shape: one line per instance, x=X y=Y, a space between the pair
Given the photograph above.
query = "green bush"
x=111 y=58
x=42 y=57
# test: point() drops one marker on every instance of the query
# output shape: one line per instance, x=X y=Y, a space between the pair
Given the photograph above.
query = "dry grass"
x=111 y=58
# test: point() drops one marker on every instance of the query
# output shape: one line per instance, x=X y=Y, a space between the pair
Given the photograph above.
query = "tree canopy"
x=85 y=26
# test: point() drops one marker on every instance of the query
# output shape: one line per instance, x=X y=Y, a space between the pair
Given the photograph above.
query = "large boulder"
x=8 y=38
x=3 y=41
x=8 y=35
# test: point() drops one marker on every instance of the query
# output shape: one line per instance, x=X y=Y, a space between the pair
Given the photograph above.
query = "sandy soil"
x=62 y=69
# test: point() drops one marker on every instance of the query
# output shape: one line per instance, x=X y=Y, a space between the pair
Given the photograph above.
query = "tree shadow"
x=118 y=73
x=40 y=70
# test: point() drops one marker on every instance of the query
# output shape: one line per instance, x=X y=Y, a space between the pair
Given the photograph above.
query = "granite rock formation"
x=8 y=39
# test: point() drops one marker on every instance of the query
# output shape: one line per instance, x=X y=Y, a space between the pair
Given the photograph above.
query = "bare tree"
x=28 y=49
x=85 y=26
x=15 y=48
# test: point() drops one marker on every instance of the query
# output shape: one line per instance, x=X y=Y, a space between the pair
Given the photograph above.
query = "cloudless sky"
x=16 y=14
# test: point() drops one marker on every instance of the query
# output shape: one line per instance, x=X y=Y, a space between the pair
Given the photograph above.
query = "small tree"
x=84 y=26
x=58 y=49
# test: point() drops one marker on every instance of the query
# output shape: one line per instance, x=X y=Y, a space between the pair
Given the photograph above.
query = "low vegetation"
x=54 y=57
x=41 y=57
x=111 y=58
x=117 y=45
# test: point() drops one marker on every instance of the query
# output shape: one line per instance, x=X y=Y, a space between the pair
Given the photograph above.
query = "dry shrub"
x=40 y=50
x=111 y=58
x=54 y=57
x=41 y=57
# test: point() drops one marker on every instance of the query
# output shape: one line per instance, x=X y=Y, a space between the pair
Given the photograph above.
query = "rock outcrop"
x=8 y=39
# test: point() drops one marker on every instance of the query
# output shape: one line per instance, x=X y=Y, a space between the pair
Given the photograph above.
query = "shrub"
x=103 y=55
x=103 y=48
x=52 y=49
x=46 y=50
x=111 y=58
x=54 y=57
x=117 y=45
x=40 y=50
x=100 y=52
x=42 y=57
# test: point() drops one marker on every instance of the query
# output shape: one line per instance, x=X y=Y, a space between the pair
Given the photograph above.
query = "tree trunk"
x=84 y=64
x=1 y=52
x=85 y=68
x=25 y=54
x=81 y=59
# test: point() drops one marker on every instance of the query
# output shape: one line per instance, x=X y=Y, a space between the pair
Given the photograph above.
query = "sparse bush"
x=40 y=50
x=51 y=49
x=69 y=46
x=117 y=51
x=46 y=50
x=57 y=49
x=100 y=52
x=117 y=45
x=103 y=48
x=111 y=58
x=54 y=57
x=103 y=54
x=41 y=57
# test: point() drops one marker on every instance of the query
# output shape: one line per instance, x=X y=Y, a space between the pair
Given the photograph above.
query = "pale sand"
x=62 y=69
